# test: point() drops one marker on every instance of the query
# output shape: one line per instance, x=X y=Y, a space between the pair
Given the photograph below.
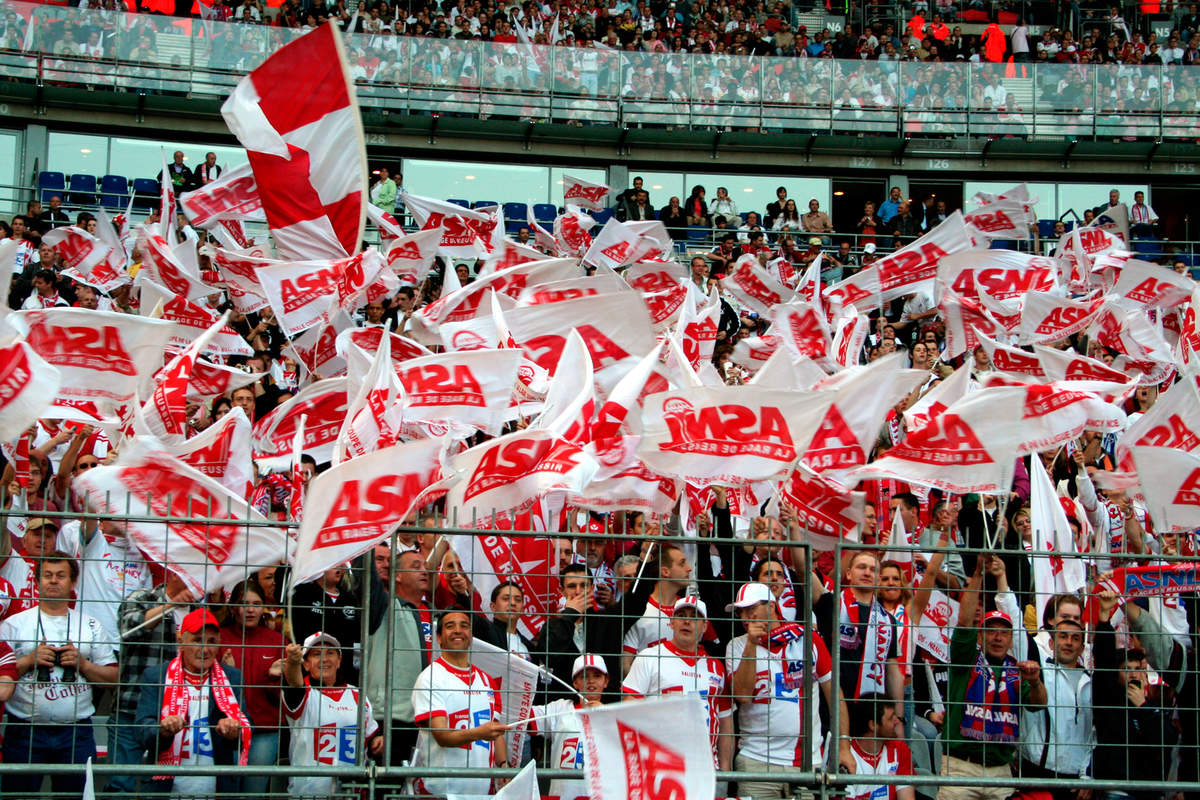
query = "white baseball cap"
x=693 y=603
x=588 y=661
x=320 y=639
x=751 y=594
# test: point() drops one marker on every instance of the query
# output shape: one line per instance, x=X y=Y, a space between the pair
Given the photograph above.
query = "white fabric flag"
x=351 y=507
x=754 y=287
x=634 y=750
x=470 y=388
x=518 y=682
x=326 y=405
x=584 y=194
x=192 y=320
x=27 y=387
x=1003 y=274
x=1170 y=480
x=938 y=399
x=1057 y=566
x=372 y=420
x=222 y=452
x=148 y=482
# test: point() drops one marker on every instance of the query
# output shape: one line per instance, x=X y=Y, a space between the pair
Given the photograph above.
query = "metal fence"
x=599 y=86
x=619 y=560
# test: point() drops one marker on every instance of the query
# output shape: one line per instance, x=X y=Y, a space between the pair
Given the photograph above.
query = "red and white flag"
x=632 y=754
x=1003 y=274
x=621 y=411
x=623 y=483
x=1049 y=318
x=1173 y=421
x=222 y=452
x=698 y=328
x=1170 y=481
x=489 y=558
x=1142 y=283
x=232 y=196
x=509 y=473
x=466 y=233
x=570 y=402
x=355 y=505
x=966 y=320
x=729 y=435
x=305 y=293
x=914 y=267
x=465 y=303
x=1007 y=218
x=1189 y=333
x=803 y=329
x=305 y=146
x=584 y=194
x=163 y=264
x=411 y=256
x=1063 y=365
x=1057 y=412
x=826 y=510
x=210 y=380
x=754 y=287
x=101 y=355
x=358 y=345
x=969 y=447
x=469 y=389
x=1012 y=359
x=324 y=403
x=850 y=332
x=372 y=420
x=620 y=244
x=938 y=399
x=572 y=289
x=165 y=412
x=316 y=349
x=166 y=200
x=192 y=320
x=28 y=384
x=78 y=249
x=862 y=290
x=237 y=275
x=571 y=231
x=1057 y=566
x=210 y=555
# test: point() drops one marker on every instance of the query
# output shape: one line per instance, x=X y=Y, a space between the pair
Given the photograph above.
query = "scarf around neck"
x=175 y=703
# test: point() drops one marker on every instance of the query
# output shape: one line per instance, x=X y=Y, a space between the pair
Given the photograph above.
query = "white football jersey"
x=564 y=749
x=467 y=698
x=325 y=732
x=893 y=758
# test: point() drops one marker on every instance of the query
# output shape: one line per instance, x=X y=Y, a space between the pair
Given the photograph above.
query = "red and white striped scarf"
x=175 y=704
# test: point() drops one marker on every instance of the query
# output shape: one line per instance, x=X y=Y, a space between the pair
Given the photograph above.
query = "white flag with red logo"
x=1057 y=565
x=305 y=293
x=78 y=248
x=1012 y=359
x=326 y=405
x=1170 y=481
x=165 y=412
x=28 y=385
x=1003 y=274
x=634 y=750
x=222 y=452
x=305 y=146
x=232 y=196
x=232 y=543
x=466 y=233
x=1006 y=218
x=850 y=332
x=1142 y=283
x=237 y=275
x=862 y=398
x=469 y=388
x=966 y=321
x=914 y=267
x=615 y=328
x=1079 y=248
x=356 y=504
x=754 y=287
x=507 y=253
x=622 y=481
x=1115 y=221
x=372 y=420
x=316 y=349
x=465 y=303
x=192 y=320
x=619 y=244
x=584 y=194
x=803 y=329
x=1189 y=332
x=698 y=328
x=1066 y=365
x=938 y=399
x=170 y=267
x=570 y=401
x=1049 y=318
x=620 y=412
x=861 y=289
x=101 y=355
x=358 y=345
x=542 y=238
x=730 y=435
x=511 y=472
x=969 y=447
x=411 y=256
x=1131 y=332
x=571 y=231
x=572 y=289
x=1173 y=421
x=826 y=510
x=755 y=351
x=210 y=380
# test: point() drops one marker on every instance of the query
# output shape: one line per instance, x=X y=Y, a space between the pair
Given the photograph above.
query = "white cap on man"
x=694 y=603
x=588 y=661
x=751 y=594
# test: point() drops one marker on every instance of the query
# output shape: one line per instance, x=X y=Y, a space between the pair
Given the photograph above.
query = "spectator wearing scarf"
x=190 y=711
x=986 y=692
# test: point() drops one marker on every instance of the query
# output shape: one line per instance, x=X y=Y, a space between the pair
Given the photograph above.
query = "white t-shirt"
x=109 y=572
x=664 y=669
x=651 y=628
x=325 y=731
x=56 y=701
x=196 y=748
x=564 y=750
x=770 y=723
x=468 y=699
x=893 y=758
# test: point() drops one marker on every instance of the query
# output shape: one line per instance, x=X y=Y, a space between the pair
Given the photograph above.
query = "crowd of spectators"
x=91 y=626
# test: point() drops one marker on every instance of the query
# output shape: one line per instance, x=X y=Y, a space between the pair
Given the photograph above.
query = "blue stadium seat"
x=545 y=213
x=1046 y=228
x=515 y=217
x=145 y=193
x=484 y=203
x=51 y=183
x=457 y=202
x=697 y=233
x=745 y=215
x=1148 y=247
x=114 y=191
x=602 y=217
x=82 y=190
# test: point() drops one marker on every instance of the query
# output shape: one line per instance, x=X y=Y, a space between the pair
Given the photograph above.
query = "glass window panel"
x=70 y=153
x=142 y=158
x=1081 y=196
x=661 y=186
x=465 y=180
x=754 y=192
x=9 y=199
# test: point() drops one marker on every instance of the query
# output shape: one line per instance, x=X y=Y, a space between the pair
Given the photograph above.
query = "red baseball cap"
x=198 y=620
x=997 y=616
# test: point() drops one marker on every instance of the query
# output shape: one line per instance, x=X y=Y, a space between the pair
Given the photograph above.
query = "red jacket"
x=254 y=651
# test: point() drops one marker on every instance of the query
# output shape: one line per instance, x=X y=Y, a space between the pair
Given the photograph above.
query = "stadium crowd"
x=733 y=605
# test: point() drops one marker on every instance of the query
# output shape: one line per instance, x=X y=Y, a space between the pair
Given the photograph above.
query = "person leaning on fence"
x=984 y=698
x=60 y=654
x=190 y=713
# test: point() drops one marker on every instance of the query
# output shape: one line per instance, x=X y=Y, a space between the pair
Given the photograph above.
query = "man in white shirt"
x=1142 y=218
x=674 y=573
x=680 y=666
x=60 y=654
x=456 y=704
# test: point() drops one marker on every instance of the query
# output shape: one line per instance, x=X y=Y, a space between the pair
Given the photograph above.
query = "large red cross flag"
x=727 y=434
x=102 y=355
x=305 y=144
x=969 y=447
x=1170 y=481
x=1003 y=274
x=27 y=386
x=1057 y=567
x=634 y=752
x=356 y=504
x=232 y=542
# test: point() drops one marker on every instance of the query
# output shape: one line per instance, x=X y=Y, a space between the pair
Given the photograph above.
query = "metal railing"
x=599 y=86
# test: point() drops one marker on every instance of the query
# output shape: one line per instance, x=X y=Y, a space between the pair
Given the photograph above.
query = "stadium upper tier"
x=151 y=54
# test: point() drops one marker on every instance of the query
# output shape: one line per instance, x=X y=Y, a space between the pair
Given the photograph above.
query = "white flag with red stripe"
x=1057 y=565
x=372 y=420
x=210 y=380
x=192 y=320
x=28 y=385
x=803 y=330
x=165 y=412
x=698 y=328
x=584 y=194
x=325 y=403
x=411 y=256
x=78 y=248
x=305 y=145
x=634 y=750
x=850 y=332
x=730 y=435
x=208 y=556
x=356 y=504
x=232 y=196
x=466 y=233
x=754 y=287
